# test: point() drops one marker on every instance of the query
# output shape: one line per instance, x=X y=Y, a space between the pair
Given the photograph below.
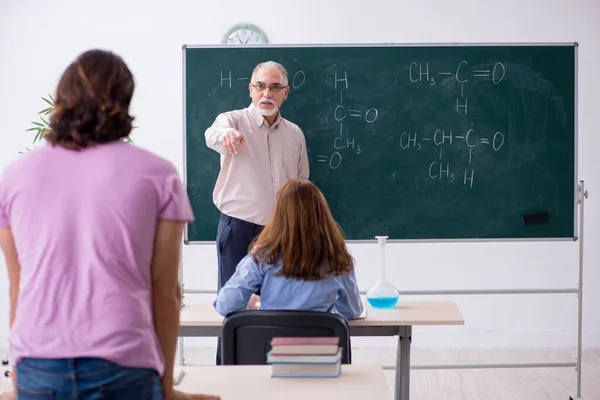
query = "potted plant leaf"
x=42 y=126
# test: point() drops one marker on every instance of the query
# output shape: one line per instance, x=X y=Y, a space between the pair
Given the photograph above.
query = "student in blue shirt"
x=299 y=261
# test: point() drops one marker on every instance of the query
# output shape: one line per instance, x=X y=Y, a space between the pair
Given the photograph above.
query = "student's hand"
x=177 y=395
x=8 y=396
x=252 y=303
x=231 y=140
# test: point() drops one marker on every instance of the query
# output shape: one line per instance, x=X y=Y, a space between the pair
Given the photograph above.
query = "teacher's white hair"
x=274 y=65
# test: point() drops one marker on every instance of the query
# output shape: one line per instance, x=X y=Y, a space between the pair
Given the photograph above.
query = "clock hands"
x=237 y=35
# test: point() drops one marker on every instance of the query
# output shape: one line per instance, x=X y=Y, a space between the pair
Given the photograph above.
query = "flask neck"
x=382 y=262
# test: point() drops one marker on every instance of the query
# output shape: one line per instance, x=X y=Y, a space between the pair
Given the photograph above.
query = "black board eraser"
x=535 y=218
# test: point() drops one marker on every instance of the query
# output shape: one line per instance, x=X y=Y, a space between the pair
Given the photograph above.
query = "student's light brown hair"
x=303 y=234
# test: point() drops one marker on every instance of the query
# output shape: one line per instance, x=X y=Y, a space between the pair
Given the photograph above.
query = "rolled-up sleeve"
x=214 y=134
x=236 y=293
x=174 y=201
x=349 y=304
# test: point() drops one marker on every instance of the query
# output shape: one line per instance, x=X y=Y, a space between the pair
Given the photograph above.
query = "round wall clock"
x=245 y=34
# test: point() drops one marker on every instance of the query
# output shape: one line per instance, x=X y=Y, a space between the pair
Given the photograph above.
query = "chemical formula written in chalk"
x=419 y=72
x=440 y=169
x=344 y=141
x=227 y=79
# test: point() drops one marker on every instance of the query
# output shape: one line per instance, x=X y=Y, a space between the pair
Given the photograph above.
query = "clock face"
x=245 y=34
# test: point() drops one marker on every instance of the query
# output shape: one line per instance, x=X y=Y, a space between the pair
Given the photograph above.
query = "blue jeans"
x=85 y=379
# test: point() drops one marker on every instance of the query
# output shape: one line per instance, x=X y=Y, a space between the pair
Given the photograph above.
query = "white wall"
x=38 y=40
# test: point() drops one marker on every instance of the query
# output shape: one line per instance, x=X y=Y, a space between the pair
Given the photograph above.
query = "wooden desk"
x=255 y=383
x=201 y=320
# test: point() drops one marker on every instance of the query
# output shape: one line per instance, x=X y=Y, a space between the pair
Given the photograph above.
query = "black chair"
x=246 y=335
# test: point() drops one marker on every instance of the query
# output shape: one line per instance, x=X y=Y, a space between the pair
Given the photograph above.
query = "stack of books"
x=305 y=357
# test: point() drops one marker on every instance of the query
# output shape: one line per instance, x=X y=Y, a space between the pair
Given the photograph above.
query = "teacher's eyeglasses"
x=261 y=87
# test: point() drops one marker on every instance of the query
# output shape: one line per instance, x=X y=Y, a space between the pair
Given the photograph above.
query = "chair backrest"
x=246 y=335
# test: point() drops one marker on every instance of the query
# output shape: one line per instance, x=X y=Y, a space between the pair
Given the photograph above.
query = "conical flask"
x=383 y=294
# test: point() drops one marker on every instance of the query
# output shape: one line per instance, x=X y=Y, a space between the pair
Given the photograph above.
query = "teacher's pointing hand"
x=230 y=141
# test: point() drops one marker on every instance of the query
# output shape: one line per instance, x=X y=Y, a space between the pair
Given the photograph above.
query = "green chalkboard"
x=417 y=142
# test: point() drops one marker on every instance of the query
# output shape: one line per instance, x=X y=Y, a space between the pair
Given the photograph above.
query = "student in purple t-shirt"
x=91 y=228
